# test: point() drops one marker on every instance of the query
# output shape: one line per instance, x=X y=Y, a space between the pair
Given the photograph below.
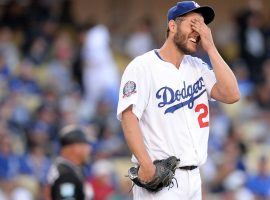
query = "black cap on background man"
x=72 y=134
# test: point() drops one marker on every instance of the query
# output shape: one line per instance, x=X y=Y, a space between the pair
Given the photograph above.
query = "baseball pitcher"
x=163 y=106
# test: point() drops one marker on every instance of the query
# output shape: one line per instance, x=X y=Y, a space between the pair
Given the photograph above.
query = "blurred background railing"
x=61 y=63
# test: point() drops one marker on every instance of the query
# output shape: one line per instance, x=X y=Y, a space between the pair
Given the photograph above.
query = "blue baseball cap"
x=184 y=7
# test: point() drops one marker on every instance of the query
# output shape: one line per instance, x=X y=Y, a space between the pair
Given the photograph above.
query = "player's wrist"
x=211 y=50
x=145 y=161
x=147 y=165
x=146 y=173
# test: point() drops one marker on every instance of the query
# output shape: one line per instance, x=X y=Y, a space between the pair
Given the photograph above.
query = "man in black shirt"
x=65 y=178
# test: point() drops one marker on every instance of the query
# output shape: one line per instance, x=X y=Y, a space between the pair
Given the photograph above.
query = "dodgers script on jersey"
x=171 y=105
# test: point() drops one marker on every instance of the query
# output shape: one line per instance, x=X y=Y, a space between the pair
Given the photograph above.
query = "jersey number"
x=202 y=115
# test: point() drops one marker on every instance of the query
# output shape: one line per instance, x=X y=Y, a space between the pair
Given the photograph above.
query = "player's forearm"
x=226 y=81
x=134 y=137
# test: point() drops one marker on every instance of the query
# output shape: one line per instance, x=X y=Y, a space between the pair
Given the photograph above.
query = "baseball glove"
x=163 y=177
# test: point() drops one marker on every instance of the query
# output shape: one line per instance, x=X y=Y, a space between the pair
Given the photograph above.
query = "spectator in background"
x=110 y=141
x=264 y=99
x=44 y=127
x=233 y=155
x=109 y=144
x=65 y=178
x=48 y=31
x=267 y=30
x=266 y=71
x=219 y=129
x=71 y=107
x=103 y=180
x=25 y=82
x=8 y=49
x=12 y=167
x=5 y=72
x=11 y=116
x=252 y=38
x=39 y=22
x=141 y=39
x=18 y=114
x=242 y=75
x=77 y=66
x=259 y=183
x=59 y=68
x=39 y=40
x=262 y=95
x=235 y=188
x=101 y=78
x=38 y=51
x=11 y=164
x=38 y=162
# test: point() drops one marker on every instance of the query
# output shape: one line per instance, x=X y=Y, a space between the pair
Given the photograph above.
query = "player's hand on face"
x=205 y=33
x=146 y=173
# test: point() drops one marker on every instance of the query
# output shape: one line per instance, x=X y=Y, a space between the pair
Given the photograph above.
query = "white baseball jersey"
x=171 y=105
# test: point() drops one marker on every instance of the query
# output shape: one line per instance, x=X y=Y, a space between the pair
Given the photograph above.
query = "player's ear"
x=172 y=26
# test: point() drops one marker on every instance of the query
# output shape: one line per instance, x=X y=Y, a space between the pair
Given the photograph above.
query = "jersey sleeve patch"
x=129 y=89
x=67 y=190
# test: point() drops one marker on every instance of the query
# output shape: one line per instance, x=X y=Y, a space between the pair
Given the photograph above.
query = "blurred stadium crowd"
x=54 y=72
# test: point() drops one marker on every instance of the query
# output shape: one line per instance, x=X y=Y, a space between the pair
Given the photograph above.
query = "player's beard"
x=180 y=40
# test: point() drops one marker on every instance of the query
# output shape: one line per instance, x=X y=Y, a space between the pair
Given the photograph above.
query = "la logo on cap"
x=195 y=4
